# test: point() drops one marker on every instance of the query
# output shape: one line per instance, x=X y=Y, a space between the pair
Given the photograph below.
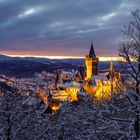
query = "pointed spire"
x=92 y=52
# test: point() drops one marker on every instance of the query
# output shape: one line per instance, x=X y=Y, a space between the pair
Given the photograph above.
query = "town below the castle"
x=74 y=101
x=55 y=88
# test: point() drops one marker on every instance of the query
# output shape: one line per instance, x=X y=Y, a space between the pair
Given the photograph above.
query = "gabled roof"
x=92 y=52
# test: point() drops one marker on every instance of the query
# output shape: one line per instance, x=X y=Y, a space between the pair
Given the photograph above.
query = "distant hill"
x=4 y=57
x=27 y=66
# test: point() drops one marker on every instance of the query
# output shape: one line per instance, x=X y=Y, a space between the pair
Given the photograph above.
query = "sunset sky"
x=63 y=27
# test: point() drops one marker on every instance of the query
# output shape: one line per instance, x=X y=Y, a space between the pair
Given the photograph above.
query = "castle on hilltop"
x=99 y=83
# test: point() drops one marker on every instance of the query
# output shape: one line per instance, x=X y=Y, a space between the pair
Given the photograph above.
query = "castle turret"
x=58 y=79
x=112 y=76
x=91 y=63
x=111 y=70
x=82 y=72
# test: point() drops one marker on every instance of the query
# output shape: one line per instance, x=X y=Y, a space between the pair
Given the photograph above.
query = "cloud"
x=63 y=27
x=108 y=16
x=27 y=13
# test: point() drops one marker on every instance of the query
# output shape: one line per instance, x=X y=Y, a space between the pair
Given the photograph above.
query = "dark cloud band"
x=63 y=27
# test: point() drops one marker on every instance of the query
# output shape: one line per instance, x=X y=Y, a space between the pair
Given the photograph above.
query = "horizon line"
x=105 y=58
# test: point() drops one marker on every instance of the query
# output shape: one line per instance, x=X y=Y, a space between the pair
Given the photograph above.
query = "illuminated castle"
x=91 y=63
x=100 y=83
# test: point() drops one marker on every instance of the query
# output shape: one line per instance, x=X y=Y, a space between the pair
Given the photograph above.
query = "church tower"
x=91 y=63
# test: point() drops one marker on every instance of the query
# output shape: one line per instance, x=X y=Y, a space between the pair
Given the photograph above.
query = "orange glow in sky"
x=63 y=57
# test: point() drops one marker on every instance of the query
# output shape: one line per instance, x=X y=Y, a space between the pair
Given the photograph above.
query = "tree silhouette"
x=130 y=52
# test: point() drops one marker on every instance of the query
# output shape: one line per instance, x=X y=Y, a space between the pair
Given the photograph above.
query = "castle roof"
x=92 y=52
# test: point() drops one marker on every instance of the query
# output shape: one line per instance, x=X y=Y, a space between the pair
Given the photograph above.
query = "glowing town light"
x=42 y=95
x=54 y=107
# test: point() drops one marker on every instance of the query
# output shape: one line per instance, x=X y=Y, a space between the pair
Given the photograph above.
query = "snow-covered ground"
x=27 y=118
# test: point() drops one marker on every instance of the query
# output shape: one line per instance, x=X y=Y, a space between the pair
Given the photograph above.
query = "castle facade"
x=99 y=83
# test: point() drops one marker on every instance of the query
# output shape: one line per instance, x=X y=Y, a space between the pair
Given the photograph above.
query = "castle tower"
x=112 y=76
x=91 y=63
x=111 y=70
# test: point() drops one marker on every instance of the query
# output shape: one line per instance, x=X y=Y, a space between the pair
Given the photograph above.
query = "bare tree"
x=130 y=52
